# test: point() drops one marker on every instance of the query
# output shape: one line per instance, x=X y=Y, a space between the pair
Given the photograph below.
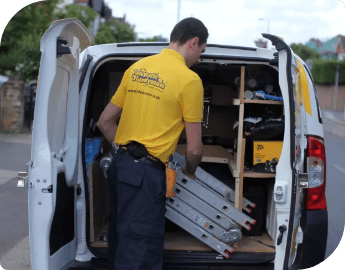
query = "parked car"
x=68 y=208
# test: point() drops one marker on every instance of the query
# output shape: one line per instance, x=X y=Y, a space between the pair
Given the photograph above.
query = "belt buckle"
x=114 y=148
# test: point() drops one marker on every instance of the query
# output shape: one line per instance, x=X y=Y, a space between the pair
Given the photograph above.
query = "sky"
x=230 y=22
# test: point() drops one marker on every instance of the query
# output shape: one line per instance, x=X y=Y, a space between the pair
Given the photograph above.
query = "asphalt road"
x=15 y=153
x=335 y=188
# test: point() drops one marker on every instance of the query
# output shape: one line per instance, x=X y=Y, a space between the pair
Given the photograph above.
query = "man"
x=158 y=97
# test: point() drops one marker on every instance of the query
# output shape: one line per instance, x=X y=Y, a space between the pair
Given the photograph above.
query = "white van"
x=68 y=207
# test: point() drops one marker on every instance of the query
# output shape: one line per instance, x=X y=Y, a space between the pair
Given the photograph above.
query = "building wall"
x=12 y=105
x=325 y=94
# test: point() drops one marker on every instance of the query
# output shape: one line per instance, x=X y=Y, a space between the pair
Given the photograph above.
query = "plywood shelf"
x=237 y=101
x=218 y=154
x=250 y=174
x=180 y=240
x=246 y=173
x=212 y=153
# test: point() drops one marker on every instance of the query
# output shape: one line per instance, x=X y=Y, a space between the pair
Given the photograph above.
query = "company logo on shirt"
x=142 y=76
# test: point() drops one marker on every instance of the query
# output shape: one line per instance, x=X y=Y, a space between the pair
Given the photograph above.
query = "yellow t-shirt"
x=157 y=95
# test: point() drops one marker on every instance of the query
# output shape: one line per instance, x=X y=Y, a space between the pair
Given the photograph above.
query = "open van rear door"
x=52 y=171
x=288 y=195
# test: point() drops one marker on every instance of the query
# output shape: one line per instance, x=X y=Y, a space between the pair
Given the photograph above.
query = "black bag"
x=137 y=150
x=270 y=128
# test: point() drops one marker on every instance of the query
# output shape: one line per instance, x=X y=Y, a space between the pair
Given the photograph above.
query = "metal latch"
x=22 y=180
x=279 y=193
x=48 y=189
x=23 y=176
x=62 y=48
x=302 y=179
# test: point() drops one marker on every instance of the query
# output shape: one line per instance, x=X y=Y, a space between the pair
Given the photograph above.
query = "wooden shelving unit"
x=217 y=154
x=236 y=162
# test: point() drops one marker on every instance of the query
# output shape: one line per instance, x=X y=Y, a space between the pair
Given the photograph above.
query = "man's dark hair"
x=187 y=29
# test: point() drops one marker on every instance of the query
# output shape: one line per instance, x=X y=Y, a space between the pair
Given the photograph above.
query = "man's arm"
x=194 y=148
x=107 y=121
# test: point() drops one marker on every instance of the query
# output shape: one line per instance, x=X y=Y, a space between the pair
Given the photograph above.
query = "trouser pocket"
x=146 y=242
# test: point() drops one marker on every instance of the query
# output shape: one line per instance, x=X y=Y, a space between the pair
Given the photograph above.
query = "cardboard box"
x=266 y=155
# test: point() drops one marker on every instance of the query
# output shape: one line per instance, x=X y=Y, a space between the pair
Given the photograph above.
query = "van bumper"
x=197 y=261
x=315 y=238
x=102 y=266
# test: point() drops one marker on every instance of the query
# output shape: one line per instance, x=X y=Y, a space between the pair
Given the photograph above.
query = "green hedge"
x=323 y=71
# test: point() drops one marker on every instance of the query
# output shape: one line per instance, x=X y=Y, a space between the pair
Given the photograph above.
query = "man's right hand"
x=192 y=176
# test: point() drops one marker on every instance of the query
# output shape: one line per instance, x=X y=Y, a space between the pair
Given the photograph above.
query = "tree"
x=304 y=52
x=114 y=32
x=85 y=14
x=154 y=39
x=20 y=43
x=105 y=35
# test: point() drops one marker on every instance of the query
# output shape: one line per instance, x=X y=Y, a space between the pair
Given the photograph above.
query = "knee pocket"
x=147 y=242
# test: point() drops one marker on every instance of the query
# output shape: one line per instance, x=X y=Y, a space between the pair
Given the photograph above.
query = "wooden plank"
x=243 y=72
x=251 y=174
x=99 y=244
x=237 y=101
x=233 y=166
x=257 y=101
x=240 y=136
x=239 y=180
x=182 y=240
x=212 y=153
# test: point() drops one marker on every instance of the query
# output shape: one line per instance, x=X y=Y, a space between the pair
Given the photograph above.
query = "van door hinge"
x=48 y=189
x=62 y=48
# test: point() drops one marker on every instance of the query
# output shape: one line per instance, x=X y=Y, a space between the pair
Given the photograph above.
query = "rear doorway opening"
x=232 y=114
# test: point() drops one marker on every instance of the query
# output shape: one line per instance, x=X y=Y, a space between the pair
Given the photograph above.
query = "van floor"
x=182 y=240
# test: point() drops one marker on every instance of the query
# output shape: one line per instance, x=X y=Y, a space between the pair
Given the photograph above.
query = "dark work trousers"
x=137 y=214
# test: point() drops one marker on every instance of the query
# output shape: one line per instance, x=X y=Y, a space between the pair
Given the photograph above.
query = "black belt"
x=157 y=163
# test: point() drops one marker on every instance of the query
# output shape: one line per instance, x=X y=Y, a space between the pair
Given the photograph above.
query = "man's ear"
x=196 y=41
x=193 y=42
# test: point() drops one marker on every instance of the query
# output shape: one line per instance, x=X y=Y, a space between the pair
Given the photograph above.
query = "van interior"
x=231 y=111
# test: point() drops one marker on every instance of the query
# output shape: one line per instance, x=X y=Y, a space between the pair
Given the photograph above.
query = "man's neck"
x=178 y=48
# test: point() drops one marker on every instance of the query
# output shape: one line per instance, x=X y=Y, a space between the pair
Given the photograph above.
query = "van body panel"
x=52 y=174
x=313 y=125
x=284 y=172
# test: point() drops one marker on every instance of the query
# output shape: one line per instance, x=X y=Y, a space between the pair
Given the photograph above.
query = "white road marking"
x=339 y=168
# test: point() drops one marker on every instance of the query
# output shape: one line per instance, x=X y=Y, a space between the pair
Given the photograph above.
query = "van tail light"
x=315 y=196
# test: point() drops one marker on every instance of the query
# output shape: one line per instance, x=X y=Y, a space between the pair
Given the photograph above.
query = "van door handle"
x=282 y=229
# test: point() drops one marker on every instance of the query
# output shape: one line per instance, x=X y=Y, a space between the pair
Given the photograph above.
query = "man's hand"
x=192 y=176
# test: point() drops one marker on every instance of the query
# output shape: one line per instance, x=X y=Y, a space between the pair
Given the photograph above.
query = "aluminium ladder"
x=203 y=207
